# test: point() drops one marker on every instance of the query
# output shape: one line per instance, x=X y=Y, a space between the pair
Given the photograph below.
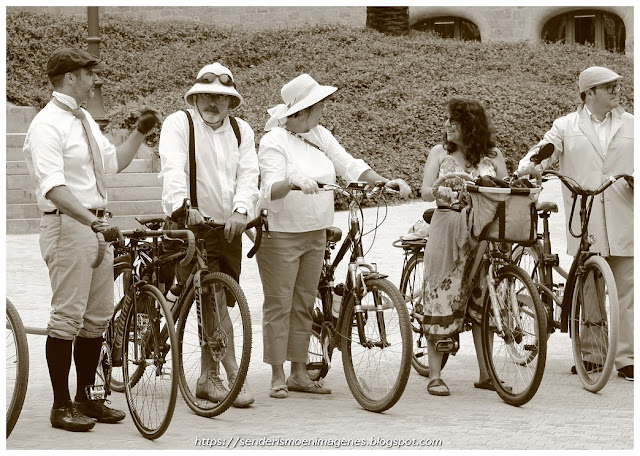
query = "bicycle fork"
x=509 y=333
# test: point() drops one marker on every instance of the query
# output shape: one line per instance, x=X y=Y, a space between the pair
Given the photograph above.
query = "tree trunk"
x=390 y=20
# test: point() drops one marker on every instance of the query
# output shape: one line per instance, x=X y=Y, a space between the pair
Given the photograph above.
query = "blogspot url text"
x=240 y=442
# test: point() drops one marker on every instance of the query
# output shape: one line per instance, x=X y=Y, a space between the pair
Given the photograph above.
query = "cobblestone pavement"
x=562 y=415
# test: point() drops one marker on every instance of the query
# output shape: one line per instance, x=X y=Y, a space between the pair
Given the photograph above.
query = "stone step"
x=32 y=225
x=138 y=165
x=19 y=182
x=121 y=208
x=19 y=118
x=15 y=140
x=14 y=153
x=26 y=196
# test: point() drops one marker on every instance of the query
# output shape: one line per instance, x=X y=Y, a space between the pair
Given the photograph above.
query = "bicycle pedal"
x=447 y=346
x=96 y=392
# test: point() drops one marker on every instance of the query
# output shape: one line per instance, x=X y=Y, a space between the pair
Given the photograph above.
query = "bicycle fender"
x=374 y=276
x=568 y=298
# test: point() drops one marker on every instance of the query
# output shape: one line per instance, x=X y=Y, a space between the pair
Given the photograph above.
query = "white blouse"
x=281 y=154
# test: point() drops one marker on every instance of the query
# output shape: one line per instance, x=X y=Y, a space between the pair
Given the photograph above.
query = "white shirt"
x=227 y=175
x=282 y=154
x=602 y=129
x=57 y=153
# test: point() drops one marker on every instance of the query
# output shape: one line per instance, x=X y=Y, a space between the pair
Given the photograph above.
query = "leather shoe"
x=99 y=411
x=589 y=367
x=69 y=418
x=626 y=372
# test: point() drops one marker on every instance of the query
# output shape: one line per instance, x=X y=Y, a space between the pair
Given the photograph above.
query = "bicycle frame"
x=355 y=284
x=583 y=252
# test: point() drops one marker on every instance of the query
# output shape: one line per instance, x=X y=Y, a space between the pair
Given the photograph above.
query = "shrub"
x=390 y=108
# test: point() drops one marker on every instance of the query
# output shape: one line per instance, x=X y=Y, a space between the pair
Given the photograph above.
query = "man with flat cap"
x=68 y=157
x=592 y=144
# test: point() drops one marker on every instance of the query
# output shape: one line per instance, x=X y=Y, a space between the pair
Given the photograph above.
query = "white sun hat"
x=214 y=78
x=595 y=76
x=297 y=94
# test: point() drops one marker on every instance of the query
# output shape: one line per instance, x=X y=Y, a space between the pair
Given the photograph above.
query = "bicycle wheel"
x=122 y=280
x=411 y=284
x=515 y=357
x=150 y=356
x=376 y=356
x=17 y=367
x=594 y=323
x=320 y=344
x=229 y=344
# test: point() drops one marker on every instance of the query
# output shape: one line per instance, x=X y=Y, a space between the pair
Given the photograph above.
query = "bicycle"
x=513 y=318
x=411 y=281
x=208 y=308
x=17 y=366
x=140 y=337
x=372 y=327
x=595 y=320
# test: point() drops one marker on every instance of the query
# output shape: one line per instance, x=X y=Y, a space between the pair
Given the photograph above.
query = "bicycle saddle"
x=334 y=234
x=546 y=206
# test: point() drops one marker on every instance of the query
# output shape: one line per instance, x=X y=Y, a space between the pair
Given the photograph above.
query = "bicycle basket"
x=504 y=214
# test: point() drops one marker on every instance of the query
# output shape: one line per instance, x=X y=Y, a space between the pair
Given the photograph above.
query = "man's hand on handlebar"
x=110 y=233
x=194 y=217
x=400 y=185
x=235 y=226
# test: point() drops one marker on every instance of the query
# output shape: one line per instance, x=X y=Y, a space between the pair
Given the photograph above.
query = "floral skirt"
x=454 y=302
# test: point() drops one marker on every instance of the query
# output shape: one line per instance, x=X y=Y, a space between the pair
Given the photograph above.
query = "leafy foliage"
x=390 y=108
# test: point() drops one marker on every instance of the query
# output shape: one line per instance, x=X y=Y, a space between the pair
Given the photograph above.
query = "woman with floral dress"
x=468 y=147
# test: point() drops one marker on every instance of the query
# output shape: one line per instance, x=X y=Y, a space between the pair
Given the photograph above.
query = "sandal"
x=314 y=388
x=488 y=385
x=436 y=382
x=279 y=392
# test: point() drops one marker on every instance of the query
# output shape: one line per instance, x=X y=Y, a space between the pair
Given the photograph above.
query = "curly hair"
x=474 y=127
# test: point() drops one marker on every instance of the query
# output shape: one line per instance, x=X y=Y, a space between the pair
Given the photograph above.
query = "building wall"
x=516 y=23
x=510 y=23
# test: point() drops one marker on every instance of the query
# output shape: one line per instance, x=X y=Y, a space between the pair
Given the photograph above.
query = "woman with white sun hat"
x=298 y=152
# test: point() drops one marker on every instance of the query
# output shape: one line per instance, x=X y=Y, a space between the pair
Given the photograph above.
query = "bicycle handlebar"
x=355 y=187
x=577 y=189
x=102 y=247
x=260 y=221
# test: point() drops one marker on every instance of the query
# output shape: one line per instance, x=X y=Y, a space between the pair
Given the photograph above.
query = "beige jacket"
x=580 y=157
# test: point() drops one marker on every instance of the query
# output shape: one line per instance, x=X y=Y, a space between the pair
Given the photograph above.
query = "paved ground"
x=562 y=415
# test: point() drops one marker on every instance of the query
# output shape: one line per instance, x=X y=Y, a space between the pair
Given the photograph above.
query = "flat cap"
x=67 y=59
x=595 y=76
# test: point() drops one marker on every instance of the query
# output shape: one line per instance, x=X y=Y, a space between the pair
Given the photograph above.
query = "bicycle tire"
x=411 y=283
x=122 y=279
x=529 y=259
x=320 y=346
x=595 y=381
x=17 y=352
x=372 y=393
x=189 y=345
x=516 y=360
x=149 y=328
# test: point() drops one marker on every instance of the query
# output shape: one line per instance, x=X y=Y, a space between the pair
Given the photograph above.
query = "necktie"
x=93 y=146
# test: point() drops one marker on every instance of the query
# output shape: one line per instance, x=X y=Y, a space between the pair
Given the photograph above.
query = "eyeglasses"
x=213 y=96
x=611 y=88
x=208 y=78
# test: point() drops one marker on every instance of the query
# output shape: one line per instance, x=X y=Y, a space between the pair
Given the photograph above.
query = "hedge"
x=390 y=108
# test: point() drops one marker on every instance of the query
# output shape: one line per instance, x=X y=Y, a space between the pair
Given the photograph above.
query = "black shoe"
x=69 y=418
x=589 y=367
x=99 y=411
x=626 y=372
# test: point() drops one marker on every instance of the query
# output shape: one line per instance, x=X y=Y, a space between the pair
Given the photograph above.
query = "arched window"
x=590 y=27
x=450 y=27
